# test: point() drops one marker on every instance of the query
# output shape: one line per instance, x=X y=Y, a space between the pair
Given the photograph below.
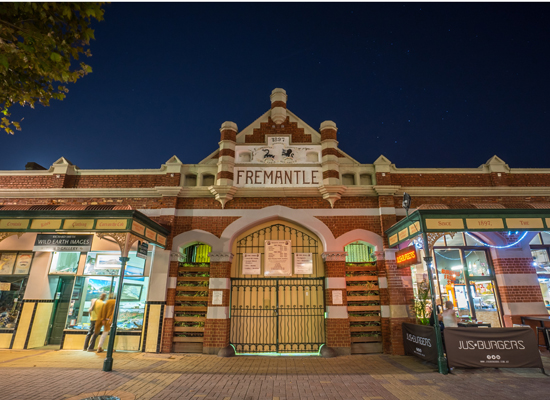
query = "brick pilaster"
x=168 y=324
x=218 y=325
x=337 y=323
x=518 y=287
x=396 y=299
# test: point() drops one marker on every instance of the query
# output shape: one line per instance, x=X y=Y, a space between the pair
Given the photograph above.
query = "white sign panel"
x=278 y=152
x=278 y=176
x=336 y=297
x=278 y=258
x=303 y=263
x=217 y=297
x=251 y=264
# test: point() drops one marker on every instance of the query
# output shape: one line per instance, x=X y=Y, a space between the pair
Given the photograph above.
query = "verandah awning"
x=106 y=219
x=472 y=220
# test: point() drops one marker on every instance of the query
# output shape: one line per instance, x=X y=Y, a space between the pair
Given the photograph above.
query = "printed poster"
x=303 y=263
x=23 y=263
x=217 y=297
x=7 y=260
x=278 y=258
x=337 y=297
x=251 y=264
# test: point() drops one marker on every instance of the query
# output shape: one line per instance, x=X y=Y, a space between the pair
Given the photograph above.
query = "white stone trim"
x=399 y=311
x=219 y=283
x=217 y=312
x=335 y=283
x=197 y=235
x=394 y=311
x=337 y=312
x=172 y=282
x=169 y=312
x=385 y=311
x=334 y=256
x=530 y=308
x=517 y=279
x=383 y=282
x=390 y=254
x=220 y=256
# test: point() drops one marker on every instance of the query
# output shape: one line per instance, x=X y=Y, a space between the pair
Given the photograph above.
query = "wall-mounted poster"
x=278 y=258
x=303 y=263
x=217 y=297
x=251 y=264
x=23 y=264
x=7 y=260
x=336 y=297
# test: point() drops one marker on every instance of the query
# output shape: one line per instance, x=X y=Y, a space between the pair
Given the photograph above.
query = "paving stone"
x=72 y=375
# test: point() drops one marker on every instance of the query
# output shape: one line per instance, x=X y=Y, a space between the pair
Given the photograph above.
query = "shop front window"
x=451 y=281
x=132 y=302
x=12 y=289
x=64 y=263
x=477 y=263
x=540 y=249
x=108 y=263
x=462 y=264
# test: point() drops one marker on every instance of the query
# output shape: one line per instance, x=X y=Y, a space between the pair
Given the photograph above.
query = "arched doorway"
x=191 y=299
x=277 y=290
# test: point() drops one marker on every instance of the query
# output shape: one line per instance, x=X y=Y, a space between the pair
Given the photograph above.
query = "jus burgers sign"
x=492 y=348
x=419 y=341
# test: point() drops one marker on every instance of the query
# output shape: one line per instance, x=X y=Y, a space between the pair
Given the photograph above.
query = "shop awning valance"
x=107 y=219
x=442 y=218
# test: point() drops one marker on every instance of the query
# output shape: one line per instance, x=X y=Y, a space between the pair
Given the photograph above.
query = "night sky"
x=435 y=85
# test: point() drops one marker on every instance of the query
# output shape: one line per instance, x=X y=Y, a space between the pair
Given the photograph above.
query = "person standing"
x=105 y=320
x=95 y=311
x=449 y=315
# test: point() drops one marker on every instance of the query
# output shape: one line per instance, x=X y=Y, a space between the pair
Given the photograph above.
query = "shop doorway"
x=278 y=314
x=61 y=305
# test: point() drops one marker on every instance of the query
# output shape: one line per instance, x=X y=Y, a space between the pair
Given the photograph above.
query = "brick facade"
x=333 y=209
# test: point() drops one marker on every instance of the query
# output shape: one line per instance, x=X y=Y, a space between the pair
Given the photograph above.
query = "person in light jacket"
x=95 y=311
x=105 y=320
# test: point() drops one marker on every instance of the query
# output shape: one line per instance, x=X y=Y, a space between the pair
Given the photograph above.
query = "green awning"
x=468 y=220
x=108 y=221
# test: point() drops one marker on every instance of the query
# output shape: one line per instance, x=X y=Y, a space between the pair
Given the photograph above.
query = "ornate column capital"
x=5 y=235
x=219 y=256
x=123 y=239
x=335 y=256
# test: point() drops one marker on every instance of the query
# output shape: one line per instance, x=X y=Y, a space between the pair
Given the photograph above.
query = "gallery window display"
x=14 y=271
x=64 y=263
x=102 y=275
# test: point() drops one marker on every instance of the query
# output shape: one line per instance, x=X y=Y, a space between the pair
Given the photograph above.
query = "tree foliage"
x=40 y=45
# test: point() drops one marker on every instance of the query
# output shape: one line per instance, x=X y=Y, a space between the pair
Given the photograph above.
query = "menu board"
x=278 y=258
x=303 y=263
x=252 y=264
x=7 y=260
x=23 y=263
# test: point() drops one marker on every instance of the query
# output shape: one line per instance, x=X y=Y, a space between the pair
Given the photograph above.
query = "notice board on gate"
x=492 y=348
x=419 y=341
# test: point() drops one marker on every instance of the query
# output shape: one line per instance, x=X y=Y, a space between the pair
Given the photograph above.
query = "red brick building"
x=275 y=242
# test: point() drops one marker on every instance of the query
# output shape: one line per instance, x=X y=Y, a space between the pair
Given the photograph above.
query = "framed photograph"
x=7 y=261
x=23 y=264
x=131 y=292
x=107 y=261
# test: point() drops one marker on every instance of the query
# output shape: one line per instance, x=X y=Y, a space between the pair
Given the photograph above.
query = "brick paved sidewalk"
x=73 y=375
